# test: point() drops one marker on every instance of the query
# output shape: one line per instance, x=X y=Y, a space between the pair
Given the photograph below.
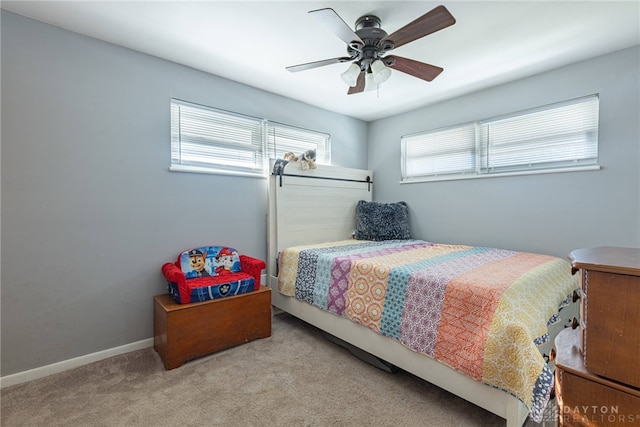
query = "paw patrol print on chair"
x=211 y=272
x=209 y=261
x=197 y=261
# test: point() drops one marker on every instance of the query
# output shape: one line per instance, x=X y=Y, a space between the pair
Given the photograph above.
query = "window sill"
x=196 y=169
x=500 y=174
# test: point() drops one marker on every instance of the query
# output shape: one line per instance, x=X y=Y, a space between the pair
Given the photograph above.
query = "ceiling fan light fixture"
x=350 y=77
x=381 y=72
x=369 y=82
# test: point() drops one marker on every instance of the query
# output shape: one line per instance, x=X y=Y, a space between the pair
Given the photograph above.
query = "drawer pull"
x=577 y=294
x=551 y=356
x=575 y=323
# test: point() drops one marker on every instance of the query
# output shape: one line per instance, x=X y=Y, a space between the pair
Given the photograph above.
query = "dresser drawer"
x=586 y=399
x=611 y=336
x=610 y=324
x=583 y=402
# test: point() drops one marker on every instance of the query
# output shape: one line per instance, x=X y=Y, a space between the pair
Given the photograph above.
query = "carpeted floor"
x=294 y=378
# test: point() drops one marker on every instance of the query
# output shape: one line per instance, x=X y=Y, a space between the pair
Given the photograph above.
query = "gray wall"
x=552 y=213
x=90 y=210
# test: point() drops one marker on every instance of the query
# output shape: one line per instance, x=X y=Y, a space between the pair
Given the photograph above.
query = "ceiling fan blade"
x=430 y=22
x=329 y=18
x=316 y=64
x=414 y=68
x=359 y=87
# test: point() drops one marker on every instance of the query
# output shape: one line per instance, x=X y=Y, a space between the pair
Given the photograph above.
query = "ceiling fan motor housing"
x=368 y=21
x=369 y=31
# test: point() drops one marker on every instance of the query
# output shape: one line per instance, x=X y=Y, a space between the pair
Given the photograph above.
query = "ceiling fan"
x=368 y=45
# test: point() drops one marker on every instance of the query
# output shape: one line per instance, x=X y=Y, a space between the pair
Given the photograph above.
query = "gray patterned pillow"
x=382 y=221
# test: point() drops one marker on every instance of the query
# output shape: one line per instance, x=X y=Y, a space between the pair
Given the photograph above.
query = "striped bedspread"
x=481 y=311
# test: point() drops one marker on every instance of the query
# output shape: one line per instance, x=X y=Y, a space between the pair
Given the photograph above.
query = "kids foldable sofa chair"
x=210 y=272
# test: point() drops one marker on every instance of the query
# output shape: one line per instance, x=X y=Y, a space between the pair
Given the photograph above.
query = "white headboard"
x=313 y=206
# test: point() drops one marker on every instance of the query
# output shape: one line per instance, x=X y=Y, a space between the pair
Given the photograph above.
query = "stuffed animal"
x=308 y=160
x=278 y=166
x=290 y=157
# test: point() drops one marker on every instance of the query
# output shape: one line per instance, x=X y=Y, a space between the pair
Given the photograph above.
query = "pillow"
x=382 y=221
x=209 y=261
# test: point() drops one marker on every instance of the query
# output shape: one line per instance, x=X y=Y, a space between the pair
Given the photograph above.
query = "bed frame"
x=318 y=205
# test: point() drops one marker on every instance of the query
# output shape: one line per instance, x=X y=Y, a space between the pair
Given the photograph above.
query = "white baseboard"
x=54 y=368
x=43 y=371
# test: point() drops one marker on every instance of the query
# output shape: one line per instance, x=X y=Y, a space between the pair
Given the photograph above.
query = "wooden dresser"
x=586 y=399
x=598 y=362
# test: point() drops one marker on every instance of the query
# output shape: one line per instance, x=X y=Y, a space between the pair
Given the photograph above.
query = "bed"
x=477 y=322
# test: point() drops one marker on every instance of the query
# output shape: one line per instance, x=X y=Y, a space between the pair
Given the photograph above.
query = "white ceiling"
x=253 y=41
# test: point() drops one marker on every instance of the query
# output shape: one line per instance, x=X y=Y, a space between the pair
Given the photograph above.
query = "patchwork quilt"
x=481 y=311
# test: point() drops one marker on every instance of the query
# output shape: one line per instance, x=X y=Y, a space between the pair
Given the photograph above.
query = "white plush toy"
x=308 y=160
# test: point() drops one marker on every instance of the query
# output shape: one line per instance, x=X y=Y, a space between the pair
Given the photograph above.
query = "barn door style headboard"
x=313 y=206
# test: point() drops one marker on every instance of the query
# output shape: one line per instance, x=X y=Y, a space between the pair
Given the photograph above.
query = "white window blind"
x=205 y=139
x=562 y=136
x=444 y=151
x=282 y=139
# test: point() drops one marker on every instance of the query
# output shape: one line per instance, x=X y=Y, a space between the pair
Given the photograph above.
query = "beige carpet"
x=294 y=378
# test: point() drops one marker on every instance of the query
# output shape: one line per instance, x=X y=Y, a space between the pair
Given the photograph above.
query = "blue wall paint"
x=551 y=213
x=85 y=228
x=90 y=210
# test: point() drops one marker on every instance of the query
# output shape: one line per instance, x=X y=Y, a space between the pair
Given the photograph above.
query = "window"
x=282 y=139
x=552 y=138
x=205 y=139
x=444 y=151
